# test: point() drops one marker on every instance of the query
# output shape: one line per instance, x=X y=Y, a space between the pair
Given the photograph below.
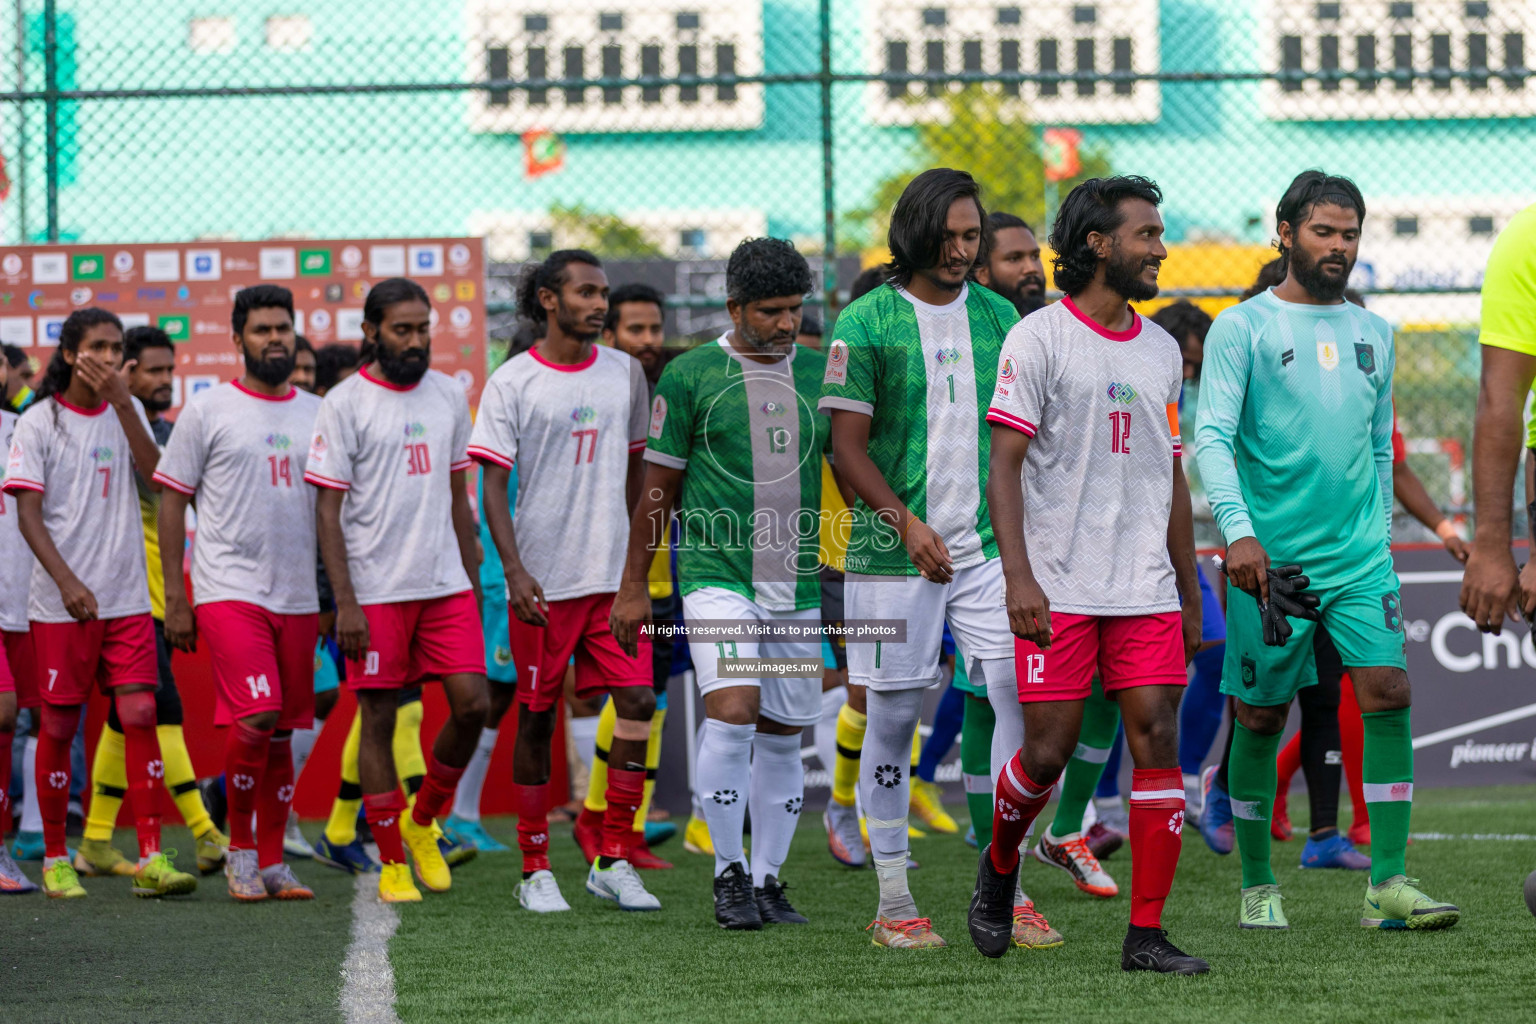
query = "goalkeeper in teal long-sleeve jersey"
x=1294 y=442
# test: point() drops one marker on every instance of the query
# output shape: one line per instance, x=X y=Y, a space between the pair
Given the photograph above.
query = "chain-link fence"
x=665 y=131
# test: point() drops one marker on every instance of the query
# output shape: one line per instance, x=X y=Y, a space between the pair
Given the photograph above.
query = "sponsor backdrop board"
x=188 y=290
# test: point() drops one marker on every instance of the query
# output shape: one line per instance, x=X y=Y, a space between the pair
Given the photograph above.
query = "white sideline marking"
x=1502 y=718
x=367 y=980
x=1475 y=836
x=1438 y=576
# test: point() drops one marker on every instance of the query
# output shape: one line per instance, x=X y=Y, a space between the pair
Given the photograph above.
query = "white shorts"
x=972 y=603
x=789 y=701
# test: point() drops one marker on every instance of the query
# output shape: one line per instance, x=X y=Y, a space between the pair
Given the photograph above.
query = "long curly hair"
x=59 y=373
x=1093 y=206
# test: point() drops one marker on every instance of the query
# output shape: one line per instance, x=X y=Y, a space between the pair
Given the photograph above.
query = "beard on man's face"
x=406 y=367
x=1122 y=274
x=271 y=370
x=1324 y=279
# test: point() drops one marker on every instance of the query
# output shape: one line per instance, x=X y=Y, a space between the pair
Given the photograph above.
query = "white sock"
x=584 y=738
x=883 y=783
x=778 y=790
x=303 y=745
x=1003 y=694
x=31 y=811
x=832 y=702
x=698 y=747
x=725 y=776
x=466 y=799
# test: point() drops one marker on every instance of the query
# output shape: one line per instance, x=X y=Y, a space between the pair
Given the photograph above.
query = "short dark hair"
x=766 y=268
x=867 y=281
x=1306 y=191
x=259 y=296
x=137 y=339
x=14 y=356
x=1094 y=205
x=549 y=274
x=1181 y=319
x=302 y=344
x=999 y=221
x=918 y=220
x=634 y=292
x=330 y=360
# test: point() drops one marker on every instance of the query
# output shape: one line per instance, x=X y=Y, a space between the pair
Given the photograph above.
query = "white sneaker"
x=294 y=843
x=1072 y=855
x=1194 y=799
x=540 y=893
x=622 y=884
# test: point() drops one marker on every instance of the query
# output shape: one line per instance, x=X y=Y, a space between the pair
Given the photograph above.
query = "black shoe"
x=1148 y=949
x=773 y=906
x=212 y=791
x=990 y=919
x=735 y=906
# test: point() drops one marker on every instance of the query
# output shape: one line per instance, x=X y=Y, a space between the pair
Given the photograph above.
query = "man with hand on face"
x=396 y=530
x=238 y=449
x=571 y=414
x=1013 y=268
x=1294 y=441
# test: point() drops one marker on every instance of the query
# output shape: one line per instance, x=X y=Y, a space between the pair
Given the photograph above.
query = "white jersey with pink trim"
x=571 y=431
x=15 y=556
x=393 y=450
x=242 y=455
x=1102 y=410
x=79 y=460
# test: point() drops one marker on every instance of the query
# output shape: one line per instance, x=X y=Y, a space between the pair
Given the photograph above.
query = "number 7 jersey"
x=1101 y=408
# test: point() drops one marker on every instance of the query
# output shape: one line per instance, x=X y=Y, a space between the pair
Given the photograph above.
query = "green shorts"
x=962 y=680
x=1364 y=617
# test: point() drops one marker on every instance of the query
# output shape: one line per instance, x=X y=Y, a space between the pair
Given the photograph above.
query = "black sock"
x=1226 y=752
x=604 y=863
x=1321 y=761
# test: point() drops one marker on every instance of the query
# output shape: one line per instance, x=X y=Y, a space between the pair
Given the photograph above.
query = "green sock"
x=1388 y=777
x=976 y=763
x=1251 y=776
x=1101 y=720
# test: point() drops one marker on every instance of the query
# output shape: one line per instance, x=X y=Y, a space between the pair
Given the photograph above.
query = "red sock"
x=1352 y=746
x=245 y=761
x=5 y=781
x=276 y=798
x=626 y=788
x=533 y=825
x=1287 y=764
x=435 y=791
x=146 y=772
x=1018 y=799
x=53 y=774
x=382 y=812
x=1157 y=824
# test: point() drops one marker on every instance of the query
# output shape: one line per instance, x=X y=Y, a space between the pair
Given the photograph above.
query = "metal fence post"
x=829 y=211
x=51 y=113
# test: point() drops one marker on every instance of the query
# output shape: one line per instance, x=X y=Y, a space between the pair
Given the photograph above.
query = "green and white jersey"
x=751 y=442
x=1294 y=433
x=924 y=374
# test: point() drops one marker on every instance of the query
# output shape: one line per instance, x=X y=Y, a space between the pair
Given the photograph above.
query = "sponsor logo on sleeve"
x=837 y=363
x=317 y=451
x=658 y=417
x=1007 y=373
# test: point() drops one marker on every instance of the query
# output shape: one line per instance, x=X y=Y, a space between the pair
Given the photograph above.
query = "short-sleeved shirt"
x=924 y=375
x=570 y=430
x=751 y=443
x=1102 y=410
x=79 y=460
x=15 y=556
x=1508 y=317
x=149 y=515
x=393 y=450
x=243 y=455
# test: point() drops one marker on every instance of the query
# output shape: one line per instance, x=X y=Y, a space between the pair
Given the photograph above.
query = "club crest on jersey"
x=658 y=416
x=1365 y=358
x=1122 y=393
x=415 y=430
x=583 y=414
x=1327 y=355
x=317 y=448
x=279 y=441
x=771 y=408
x=1008 y=372
x=947 y=356
x=837 y=363
x=102 y=454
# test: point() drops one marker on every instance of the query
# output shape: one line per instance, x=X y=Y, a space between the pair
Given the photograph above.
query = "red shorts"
x=262 y=661
x=1125 y=650
x=70 y=658
x=18 y=673
x=578 y=626
x=412 y=641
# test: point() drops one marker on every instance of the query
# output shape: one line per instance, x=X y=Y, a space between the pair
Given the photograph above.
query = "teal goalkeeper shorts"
x=498 y=642
x=1364 y=617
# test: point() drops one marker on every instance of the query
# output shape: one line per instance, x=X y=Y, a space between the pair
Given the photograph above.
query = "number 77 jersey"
x=1101 y=408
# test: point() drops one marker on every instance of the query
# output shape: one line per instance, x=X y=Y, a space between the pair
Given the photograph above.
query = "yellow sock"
x=850 y=741
x=917 y=746
x=109 y=784
x=341 y=828
x=597 y=778
x=410 y=762
x=652 y=762
x=181 y=780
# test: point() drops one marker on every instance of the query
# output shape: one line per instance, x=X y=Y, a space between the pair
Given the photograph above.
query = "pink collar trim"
x=83 y=412
x=1100 y=329
x=292 y=391
x=565 y=367
x=384 y=383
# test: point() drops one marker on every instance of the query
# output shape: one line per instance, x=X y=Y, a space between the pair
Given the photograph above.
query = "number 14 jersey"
x=1102 y=410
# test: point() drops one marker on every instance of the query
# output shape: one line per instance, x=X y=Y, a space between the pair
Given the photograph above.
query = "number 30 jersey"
x=570 y=431
x=242 y=455
x=393 y=450
x=1101 y=408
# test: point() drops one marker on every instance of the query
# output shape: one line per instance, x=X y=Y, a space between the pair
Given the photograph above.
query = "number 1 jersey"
x=1101 y=408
